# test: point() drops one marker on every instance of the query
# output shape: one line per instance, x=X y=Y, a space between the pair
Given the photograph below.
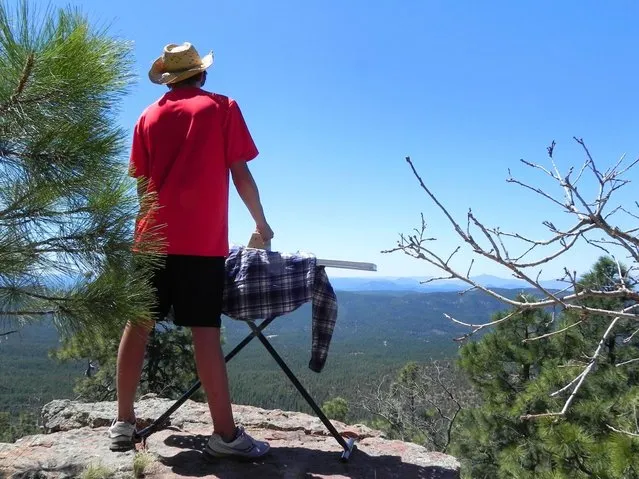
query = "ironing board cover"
x=263 y=284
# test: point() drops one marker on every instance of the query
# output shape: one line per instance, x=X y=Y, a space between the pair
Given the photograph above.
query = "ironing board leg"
x=348 y=445
x=159 y=422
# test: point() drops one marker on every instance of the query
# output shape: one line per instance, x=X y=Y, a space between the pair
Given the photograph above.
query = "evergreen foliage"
x=66 y=205
x=595 y=437
x=336 y=408
x=13 y=428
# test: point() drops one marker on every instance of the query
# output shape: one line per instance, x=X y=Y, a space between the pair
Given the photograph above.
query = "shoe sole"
x=122 y=446
x=213 y=456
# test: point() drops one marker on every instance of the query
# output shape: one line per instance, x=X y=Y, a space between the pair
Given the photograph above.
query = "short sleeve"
x=239 y=143
x=139 y=160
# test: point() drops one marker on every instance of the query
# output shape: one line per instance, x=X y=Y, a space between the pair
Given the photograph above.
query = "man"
x=184 y=146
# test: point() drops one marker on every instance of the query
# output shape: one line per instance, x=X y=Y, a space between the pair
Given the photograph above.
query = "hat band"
x=182 y=70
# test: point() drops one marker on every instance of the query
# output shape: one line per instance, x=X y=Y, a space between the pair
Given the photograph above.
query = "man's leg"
x=134 y=340
x=129 y=367
x=198 y=304
x=211 y=369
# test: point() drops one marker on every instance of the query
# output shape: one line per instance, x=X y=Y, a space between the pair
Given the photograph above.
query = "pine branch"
x=26 y=73
x=7 y=333
x=27 y=313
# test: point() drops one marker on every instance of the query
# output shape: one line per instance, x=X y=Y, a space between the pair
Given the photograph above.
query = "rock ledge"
x=76 y=437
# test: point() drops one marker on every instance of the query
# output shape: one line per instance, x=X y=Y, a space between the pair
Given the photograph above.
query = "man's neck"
x=182 y=87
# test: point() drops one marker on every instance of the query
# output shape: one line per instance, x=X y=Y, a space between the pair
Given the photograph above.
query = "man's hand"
x=265 y=231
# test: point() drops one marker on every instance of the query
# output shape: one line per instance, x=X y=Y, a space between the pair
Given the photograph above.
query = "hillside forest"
x=395 y=366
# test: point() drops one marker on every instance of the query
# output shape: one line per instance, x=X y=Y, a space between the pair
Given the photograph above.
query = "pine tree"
x=501 y=367
x=66 y=205
x=516 y=378
x=12 y=428
x=584 y=440
x=336 y=408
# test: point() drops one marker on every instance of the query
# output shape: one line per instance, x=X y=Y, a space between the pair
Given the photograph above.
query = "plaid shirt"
x=262 y=284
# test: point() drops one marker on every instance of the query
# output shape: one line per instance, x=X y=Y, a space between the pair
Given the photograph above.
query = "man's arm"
x=247 y=189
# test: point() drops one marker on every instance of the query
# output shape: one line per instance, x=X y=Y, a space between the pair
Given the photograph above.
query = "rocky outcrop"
x=75 y=439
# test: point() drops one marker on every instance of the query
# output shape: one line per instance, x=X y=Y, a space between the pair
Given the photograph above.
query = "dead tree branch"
x=591 y=225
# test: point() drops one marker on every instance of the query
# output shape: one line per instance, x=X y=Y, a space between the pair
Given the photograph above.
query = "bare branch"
x=472 y=262
x=539 y=191
x=592 y=220
x=441 y=207
x=620 y=273
x=430 y=280
x=553 y=333
x=629 y=338
x=483 y=325
x=453 y=254
x=581 y=172
x=581 y=377
x=630 y=361
x=631 y=434
x=628 y=213
x=486 y=233
x=625 y=170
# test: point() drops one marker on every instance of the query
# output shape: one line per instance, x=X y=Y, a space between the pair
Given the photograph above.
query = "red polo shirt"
x=184 y=144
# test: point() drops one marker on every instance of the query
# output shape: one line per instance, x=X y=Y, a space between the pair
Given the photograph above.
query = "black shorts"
x=193 y=286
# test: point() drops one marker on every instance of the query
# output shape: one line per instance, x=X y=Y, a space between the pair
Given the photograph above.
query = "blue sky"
x=337 y=93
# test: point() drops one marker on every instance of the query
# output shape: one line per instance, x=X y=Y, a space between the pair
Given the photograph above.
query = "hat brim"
x=158 y=76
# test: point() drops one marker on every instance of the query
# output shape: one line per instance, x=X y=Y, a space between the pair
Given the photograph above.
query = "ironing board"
x=256 y=332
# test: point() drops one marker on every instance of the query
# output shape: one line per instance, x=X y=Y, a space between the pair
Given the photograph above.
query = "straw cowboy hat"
x=177 y=63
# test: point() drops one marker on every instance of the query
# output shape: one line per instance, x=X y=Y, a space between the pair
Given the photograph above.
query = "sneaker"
x=121 y=435
x=243 y=446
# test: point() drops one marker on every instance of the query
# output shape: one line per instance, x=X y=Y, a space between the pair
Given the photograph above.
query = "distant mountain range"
x=384 y=283
x=416 y=284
